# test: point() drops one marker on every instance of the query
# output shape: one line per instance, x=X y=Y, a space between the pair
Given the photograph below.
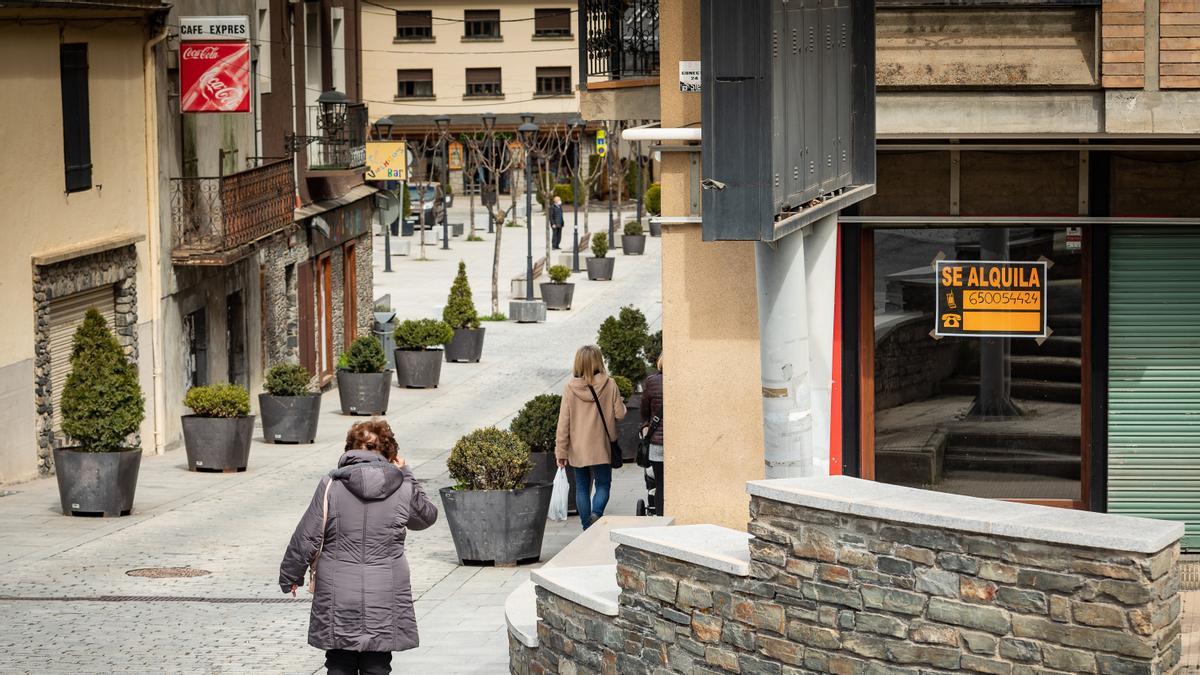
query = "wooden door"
x=349 y=294
x=325 y=355
x=305 y=298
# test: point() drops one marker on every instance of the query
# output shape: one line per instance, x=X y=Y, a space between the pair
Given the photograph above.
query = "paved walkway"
x=67 y=604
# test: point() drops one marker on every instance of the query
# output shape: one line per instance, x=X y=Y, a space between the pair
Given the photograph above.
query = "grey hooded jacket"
x=363 y=599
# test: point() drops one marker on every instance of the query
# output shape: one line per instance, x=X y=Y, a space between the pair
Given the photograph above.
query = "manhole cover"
x=1189 y=575
x=167 y=572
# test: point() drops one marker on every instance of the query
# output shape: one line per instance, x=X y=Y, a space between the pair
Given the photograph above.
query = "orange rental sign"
x=991 y=299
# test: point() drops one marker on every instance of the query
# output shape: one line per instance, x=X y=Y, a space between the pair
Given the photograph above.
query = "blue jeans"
x=591 y=507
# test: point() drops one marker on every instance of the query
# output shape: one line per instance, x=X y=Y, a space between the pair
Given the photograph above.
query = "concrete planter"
x=558 y=296
x=92 y=483
x=629 y=427
x=655 y=228
x=467 y=345
x=500 y=526
x=407 y=227
x=421 y=369
x=289 y=419
x=364 y=393
x=456 y=229
x=633 y=244
x=600 y=269
x=217 y=443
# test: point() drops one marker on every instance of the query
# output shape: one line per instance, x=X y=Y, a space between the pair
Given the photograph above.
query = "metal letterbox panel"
x=810 y=99
x=780 y=128
x=842 y=159
x=793 y=81
x=736 y=104
x=829 y=86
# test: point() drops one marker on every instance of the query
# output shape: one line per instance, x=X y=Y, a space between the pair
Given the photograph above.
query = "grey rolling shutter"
x=1154 y=376
x=66 y=314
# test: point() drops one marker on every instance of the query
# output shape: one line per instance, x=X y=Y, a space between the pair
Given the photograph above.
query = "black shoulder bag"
x=643 y=454
x=614 y=448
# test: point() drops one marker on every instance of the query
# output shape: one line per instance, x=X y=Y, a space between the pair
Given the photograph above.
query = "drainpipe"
x=149 y=82
x=784 y=352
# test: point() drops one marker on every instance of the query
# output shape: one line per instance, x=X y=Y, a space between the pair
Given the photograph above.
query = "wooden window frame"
x=420 y=30
x=561 y=76
x=401 y=80
x=486 y=87
x=552 y=15
x=478 y=27
x=349 y=294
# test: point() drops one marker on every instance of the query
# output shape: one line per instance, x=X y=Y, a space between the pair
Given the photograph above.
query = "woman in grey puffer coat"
x=362 y=606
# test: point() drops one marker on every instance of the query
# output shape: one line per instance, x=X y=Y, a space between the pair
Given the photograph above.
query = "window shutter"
x=483 y=76
x=413 y=19
x=552 y=21
x=554 y=72
x=77 y=135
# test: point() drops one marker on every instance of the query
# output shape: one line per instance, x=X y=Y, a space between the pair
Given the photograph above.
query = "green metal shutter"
x=1154 y=375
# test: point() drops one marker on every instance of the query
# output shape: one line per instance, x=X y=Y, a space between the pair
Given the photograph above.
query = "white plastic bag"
x=558 y=498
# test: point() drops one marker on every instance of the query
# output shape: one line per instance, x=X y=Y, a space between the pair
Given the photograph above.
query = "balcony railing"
x=343 y=142
x=213 y=219
x=621 y=38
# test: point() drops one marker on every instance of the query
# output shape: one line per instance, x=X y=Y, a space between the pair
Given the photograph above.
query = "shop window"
x=483 y=82
x=481 y=24
x=195 y=331
x=415 y=25
x=554 y=81
x=414 y=83
x=552 y=22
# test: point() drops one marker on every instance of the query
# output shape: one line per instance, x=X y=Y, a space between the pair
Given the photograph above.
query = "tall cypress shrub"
x=102 y=402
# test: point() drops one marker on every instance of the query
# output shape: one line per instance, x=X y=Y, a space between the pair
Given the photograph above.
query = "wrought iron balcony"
x=621 y=38
x=341 y=143
x=215 y=219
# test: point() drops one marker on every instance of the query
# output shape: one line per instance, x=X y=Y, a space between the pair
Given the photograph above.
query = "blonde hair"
x=588 y=363
x=658 y=364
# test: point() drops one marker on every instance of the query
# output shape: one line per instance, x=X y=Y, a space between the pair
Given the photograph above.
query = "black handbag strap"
x=600 y=409
x=653 y=426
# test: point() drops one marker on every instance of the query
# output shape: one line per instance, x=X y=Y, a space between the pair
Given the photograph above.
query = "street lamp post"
x=383 y=131
x=489 y=128
x=443 y=127
x=576 y=126
x=528 y=132
x=609 y=171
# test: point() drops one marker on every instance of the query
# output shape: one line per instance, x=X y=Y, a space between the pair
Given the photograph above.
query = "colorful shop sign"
x=386 y=160
x=991 y=299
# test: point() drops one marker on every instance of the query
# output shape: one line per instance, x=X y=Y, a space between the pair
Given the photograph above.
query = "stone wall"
x=909 y=366
x=835 y=593
x=282 y=257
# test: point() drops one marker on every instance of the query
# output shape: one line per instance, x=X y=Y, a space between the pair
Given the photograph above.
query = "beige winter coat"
x=581 y=439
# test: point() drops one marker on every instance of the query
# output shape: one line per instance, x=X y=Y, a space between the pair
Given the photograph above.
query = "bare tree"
x=547 y=155
x=425 y=173
x=584 y=177
x=490 y=151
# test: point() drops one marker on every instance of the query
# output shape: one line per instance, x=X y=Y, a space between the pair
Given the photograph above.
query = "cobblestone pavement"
x=68 y=606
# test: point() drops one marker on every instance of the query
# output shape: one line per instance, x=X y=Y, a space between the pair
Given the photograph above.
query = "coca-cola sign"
x=214 y=77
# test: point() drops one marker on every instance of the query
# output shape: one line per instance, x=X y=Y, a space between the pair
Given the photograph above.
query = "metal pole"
x=575 y=199
x=640 y=184
x=994 y=399
x=609 y=171
x=529 y=225
x=445 y=185
x=387 y=239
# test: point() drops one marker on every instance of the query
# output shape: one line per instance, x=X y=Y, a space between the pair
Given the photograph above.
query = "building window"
x=414 y=25
x=195 y=332
x=554 y=81
x=481 y=24
x=77 y=128
x=483 y=82
x=414 y=83
x=552 y=22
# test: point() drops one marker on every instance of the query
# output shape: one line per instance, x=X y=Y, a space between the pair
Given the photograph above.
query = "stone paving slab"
x=236 y=526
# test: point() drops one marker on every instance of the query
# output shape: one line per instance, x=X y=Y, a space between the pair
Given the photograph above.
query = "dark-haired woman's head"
x=375 y=436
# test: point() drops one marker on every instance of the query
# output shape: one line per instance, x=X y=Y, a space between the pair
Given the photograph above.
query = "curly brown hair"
x=374 y=435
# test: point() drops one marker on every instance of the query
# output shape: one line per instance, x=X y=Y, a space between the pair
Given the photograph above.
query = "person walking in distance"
x=585 y=430
x=652 y=415
x=556 y=222
x=352 y=537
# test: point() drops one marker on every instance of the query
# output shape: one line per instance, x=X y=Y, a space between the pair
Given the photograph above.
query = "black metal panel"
x=788 y=113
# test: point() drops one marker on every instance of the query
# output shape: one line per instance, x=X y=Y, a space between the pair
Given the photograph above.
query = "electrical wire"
x=391 y=11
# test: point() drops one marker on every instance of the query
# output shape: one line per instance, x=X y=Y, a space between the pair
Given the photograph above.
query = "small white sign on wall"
x=689 y=76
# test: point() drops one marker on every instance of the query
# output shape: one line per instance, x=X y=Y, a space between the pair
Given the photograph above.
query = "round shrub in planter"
x=418 y=353
x=461 y=316
x=494 y=516
x=622 y=340
x=290 y=407
x=364 y=383
x=102 y=407
x=537 y=425
x=633 y=242
x=217 y=433
x=600 y=266
x=558 y=293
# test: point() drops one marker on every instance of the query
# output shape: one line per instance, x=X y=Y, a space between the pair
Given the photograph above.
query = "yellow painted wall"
x=712 y=389
x=39 y=217
x=518 y=55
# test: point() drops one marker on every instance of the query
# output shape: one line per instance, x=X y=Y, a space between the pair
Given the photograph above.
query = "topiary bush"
x=418 y=334
x=633 y=228
x=653 y=199
x=600 y=244
x=489 y=459
x=622 y=339
x=218 y=400
x=624 y=386
x=288 y=379
x=102 y=402
x=559 y=274
x=565 y=192
x=365 y=355
x=460 y=305
x=631 y=177
x=537 y=423
x=654 y=347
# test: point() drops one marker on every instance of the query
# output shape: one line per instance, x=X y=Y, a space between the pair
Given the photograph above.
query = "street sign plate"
x=990 y=299
x=601 y=143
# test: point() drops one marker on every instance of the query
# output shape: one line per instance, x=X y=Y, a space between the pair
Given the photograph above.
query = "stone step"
x=1055 y=345
x=593 y=586
x=1003 y=460
x=1039 y=367
x=719 y=548
x=1062 y=444
x=1061 y=392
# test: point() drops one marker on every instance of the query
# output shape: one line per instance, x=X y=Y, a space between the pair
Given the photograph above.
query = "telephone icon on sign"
x=950 y=301
x=951 y=321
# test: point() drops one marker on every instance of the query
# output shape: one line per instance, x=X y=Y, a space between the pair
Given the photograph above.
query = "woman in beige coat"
x=582 y=442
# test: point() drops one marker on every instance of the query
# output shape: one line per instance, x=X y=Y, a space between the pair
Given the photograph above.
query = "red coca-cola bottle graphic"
x=216 y=77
